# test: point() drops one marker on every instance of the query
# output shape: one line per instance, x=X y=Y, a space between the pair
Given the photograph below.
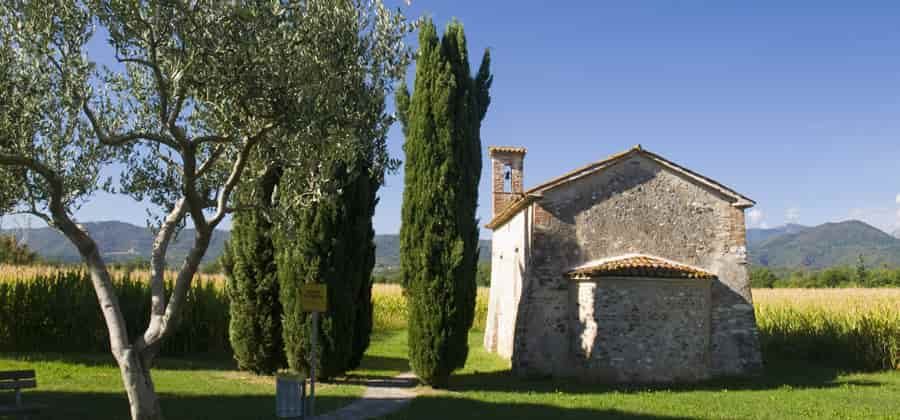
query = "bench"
x=18 y=380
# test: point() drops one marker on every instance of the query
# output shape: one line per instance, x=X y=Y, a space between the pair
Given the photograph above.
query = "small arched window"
x=507 y=178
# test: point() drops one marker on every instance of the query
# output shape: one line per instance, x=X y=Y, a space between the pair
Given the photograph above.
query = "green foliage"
x=333 y=245
x=862 y=273
x=14 y=253
x=40 y=313
x=762 y=277
x=439 y=234
x=255 y=308
x=837 y=276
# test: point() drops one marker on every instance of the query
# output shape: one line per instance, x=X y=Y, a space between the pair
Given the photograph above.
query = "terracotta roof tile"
x=513 y=209
x=506 y=149
x=638 y=266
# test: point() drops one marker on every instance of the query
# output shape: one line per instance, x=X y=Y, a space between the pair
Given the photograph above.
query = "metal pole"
x=312 y=364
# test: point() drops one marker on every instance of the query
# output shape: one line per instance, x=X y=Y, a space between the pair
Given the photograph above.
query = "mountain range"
x=826 y=245
x=790 y=246
x=123 y=242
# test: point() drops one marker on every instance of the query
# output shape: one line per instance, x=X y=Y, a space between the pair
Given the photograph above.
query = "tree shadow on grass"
x=774 y=376
x=108 y=406
x=445 y=407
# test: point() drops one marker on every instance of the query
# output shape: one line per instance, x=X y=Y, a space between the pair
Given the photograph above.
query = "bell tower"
x=506 y=182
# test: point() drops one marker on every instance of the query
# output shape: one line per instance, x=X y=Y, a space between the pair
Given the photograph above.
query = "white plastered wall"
x=509 y=256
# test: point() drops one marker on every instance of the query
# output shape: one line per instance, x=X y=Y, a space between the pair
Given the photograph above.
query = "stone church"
x=630 y=269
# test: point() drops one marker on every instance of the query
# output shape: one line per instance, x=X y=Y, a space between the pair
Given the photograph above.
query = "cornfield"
x=49 y=309
x=390 y=307
x=843 y=328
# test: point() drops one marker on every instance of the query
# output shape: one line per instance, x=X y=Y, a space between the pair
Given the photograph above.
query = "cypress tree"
x=255 y=324
x=334 y=244
x=439 y=235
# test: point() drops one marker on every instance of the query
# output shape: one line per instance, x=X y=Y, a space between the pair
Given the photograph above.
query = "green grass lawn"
x=89 y=387
x=486 y=388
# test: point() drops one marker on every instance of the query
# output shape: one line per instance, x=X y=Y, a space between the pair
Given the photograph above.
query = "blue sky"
x=795 y=105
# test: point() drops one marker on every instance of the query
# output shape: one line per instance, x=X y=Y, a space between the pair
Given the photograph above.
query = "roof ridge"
x=740 y=201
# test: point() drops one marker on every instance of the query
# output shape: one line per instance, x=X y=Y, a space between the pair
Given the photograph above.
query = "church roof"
x=738 y=200
x=638 y=265
x=506 y=149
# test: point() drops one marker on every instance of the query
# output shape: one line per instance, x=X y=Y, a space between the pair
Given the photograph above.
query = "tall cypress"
x=439 y=234
x=334 y=244
x=255 y=324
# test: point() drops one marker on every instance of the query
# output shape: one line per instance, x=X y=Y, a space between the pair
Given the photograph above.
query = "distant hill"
x=757 y=236
x=824 y=246
x=387 y=251
x=896 y=233
x=791 y=246
x=120 y=242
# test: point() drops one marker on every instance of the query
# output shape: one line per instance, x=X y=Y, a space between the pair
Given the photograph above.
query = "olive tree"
x=205 y=86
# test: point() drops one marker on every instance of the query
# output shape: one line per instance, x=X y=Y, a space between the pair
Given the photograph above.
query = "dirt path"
x=382 y=397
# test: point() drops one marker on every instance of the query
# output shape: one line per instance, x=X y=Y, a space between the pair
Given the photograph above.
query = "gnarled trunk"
x=134 y=362
x=138 y=383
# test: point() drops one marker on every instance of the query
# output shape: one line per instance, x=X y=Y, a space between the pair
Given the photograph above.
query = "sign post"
x=313 y=298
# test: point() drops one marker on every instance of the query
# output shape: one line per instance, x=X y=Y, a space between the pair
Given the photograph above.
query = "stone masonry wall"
x=634 y=207
x=642 y=330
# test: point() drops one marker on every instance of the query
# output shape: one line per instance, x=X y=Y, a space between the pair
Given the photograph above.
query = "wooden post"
x=314 y=299
x=312 y=363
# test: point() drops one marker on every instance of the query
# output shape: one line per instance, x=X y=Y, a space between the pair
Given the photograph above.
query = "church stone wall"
x=636 y=206
x=642 y=329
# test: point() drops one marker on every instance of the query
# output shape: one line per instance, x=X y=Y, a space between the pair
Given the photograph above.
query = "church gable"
x=621 y=172
x=637 y=205
x=617 y=166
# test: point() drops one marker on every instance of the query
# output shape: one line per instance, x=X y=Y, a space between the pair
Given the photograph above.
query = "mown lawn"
x=88 y=387
x=485 y=388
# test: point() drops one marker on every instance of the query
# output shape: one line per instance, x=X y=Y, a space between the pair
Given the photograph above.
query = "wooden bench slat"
x=29 y=383
x=25 y=408
x=17 y=374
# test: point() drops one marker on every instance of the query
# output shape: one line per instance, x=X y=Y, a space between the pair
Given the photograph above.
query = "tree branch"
x=205 y=166
x=161 y=82
x=120 y=139
x=36 y=213
x=236 y=170
x=212 y=139
x=103 y=287
x=182 y=286
x=157 y=276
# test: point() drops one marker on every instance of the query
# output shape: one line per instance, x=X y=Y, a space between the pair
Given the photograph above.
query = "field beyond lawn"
x=88 y=387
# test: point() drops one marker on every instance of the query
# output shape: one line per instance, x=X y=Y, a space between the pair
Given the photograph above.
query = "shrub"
x=12 y=252
x=255 y=310
x=439 y=234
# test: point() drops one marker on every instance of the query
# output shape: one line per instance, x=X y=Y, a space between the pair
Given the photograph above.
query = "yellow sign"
x=314 y=297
